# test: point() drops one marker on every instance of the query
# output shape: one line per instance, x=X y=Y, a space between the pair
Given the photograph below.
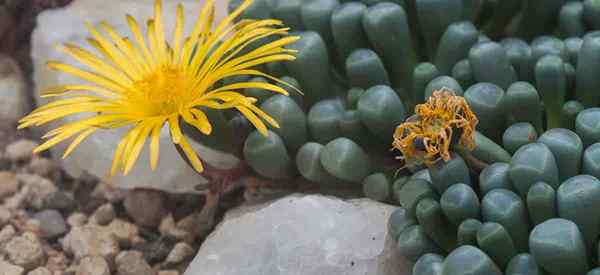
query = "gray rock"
x=93 y=266
x=36 y=189
x=13 y=91
x=43 y=167
x=6 y=234
x=95 y=154
x=52 y=223
x=77 y=219
x=25 y=250
x=5 y=216
x=298 y=234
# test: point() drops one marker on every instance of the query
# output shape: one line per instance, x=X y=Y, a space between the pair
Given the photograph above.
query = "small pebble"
x=133 y=263
x=43 y=167
x=91 y=240
x=77 y=219
x=93 y=266
x=125 y=232
x=5 y=216
x=10 y=269
x=9 y=185
x=52 y=223
x=21 y=150
x=37 y=189
x=25 y=251
x=180 y=253
x=61 y=201
x=6 y=234
x=168 y=272
x=158 y=250
x=103 y=215
x=40 y=271
x=146 y=207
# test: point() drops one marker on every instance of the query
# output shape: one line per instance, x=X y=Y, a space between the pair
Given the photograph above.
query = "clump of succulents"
x=511 y=189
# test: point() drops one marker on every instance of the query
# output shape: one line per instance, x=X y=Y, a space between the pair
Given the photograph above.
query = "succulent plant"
x=513 y=193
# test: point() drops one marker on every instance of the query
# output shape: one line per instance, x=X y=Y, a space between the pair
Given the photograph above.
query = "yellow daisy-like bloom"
x=145 y=83
x=444 y=119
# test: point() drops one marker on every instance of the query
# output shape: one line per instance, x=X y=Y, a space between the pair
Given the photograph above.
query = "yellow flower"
x=440 y=122
x=145 y=83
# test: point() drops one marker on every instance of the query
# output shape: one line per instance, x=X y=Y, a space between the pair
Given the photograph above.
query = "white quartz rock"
x=302 y=235
x=96 y=153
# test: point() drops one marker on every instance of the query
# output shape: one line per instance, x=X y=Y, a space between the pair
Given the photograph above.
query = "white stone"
x=302 y=235
x=13 y=91
x=96 y=153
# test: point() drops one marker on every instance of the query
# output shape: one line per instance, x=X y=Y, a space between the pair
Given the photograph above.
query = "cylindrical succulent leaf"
x=493 y=177
x=463 y=74
x=386 y=25
x=591 y=160
x=520 y=56
x=308 y=162
x=423 y=74
x=467 y=232
x=288 y=11
x=569 y=113
x=398 y=222
x=551 y=80
x=435 y=224
x=376 y=187
x=294 y=94
x=573 y=45
x=570 y=20
x=588 y=69
x=347 y=29
x=523 y=264
x=292 y=119
x=365 y=69
x=268 y=156
x=504 y=11
x=488 y=151
x=487 y=102
x=428 y=264
x=460 y=203
x=559 y=239
x=523 y=104
x=541 y=203
x=547 y=45
x=446 y=173
x=414 y=243
x=316 y=16
x=352 y=127
x=507 y=208
x=518 y=135
x=575 y=197
x=260 y=94
x=381 y=111
x=257 y=10
x=490 y=63
x=414 y=191
x=346 y=160
x=495 y=241
x=434 y=17
x=442 y=82
x=311 y=67
x=455 y=44
x=323 y=120
x=587 y=126
x=469 y=260
x=532 y=163
x=567 y=148
x=353 y=96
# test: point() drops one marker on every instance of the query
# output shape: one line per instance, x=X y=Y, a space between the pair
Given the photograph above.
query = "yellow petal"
x=155 y=145
x=176 y=134
x=78 y=140
x=191 y=155
x=139 y=38
x=200 y=122
x=260 y=126
x=137 y=147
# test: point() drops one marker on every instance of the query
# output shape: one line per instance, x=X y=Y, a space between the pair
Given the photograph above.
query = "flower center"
x=162 y=92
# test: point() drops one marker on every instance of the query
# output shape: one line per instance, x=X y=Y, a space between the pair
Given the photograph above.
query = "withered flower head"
x=444 y=120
